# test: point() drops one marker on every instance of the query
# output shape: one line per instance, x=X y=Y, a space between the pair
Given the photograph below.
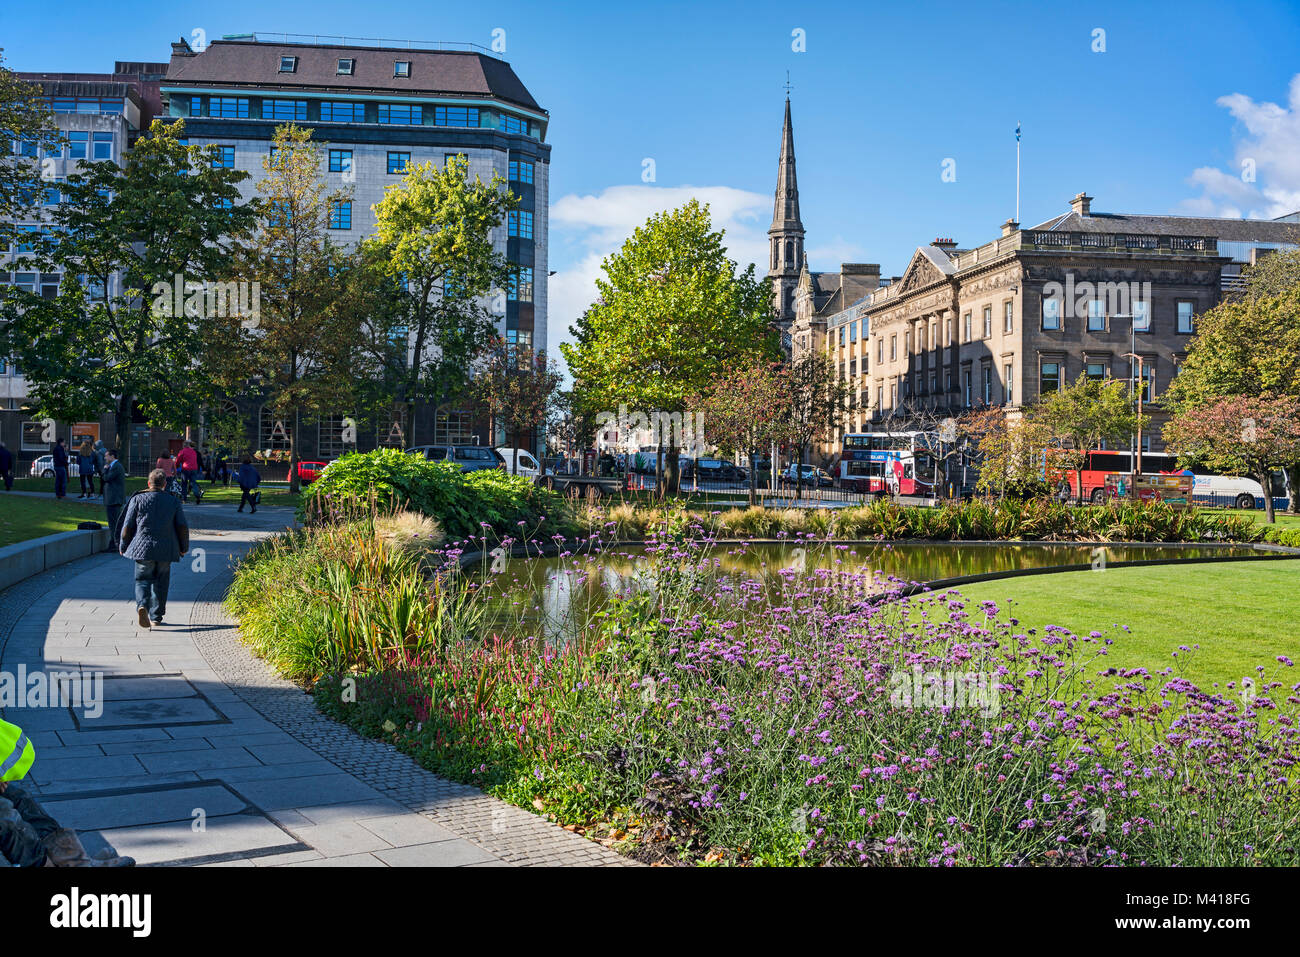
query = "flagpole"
x=1017 y=171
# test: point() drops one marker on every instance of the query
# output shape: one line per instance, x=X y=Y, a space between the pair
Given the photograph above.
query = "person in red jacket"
x=187 y=462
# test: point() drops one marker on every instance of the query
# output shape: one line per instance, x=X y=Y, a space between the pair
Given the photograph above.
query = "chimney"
x=1009 y=227
x=1081 y=204
x=946 y=243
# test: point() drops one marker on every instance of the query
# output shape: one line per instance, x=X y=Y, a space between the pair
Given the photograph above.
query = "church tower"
x=785 y=237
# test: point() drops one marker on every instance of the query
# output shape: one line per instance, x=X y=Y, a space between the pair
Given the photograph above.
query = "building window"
x=520 y=223
x=907 y=343
x=1141 y=316
x=521 y=284
x=947 y=381
x=1186 y=324
x=515 y=124
x=284 y=109
x=1147 y=376
x=103 y=146
x=400 y=114
x=1049 y=377
x=397 y=162
x=345 y=66
x=893 y=348
x=340 y=161
x=880 y=397
x=453 y=428
x=1051 y=312
x=965 y=328
x=988 y=322
x=341 y=215
x=1096 y=371
x=1096 y=316
x=224 y=157
x=1008 y=319
x=1008 y=376
x=228 y=107
x=329 y=437
x=987 y=372
x=77 y=145
x=880 y=350
x=844 y=335
x=455 y=116
x=853 y=332
x=965 y=382
x=521 y=172
x=332 y=112
x=401 y=68
x=273 y=430
x=288 y=64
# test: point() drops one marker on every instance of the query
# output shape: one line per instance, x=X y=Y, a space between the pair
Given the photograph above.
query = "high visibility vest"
x=16 y=752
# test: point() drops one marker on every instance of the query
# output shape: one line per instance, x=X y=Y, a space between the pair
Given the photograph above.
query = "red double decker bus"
x=886 y=463
x=1101 y=462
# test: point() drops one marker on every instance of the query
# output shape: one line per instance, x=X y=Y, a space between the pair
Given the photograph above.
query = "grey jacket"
x=114 y=484
x=154 y=528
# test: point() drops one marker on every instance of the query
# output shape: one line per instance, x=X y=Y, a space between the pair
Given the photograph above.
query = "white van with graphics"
x=1237 y=491
x=528 y=465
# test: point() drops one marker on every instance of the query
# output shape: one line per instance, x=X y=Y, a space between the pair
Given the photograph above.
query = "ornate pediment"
x=920 y=272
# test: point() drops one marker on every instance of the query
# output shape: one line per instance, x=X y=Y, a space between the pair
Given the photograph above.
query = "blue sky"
x=1159 y=122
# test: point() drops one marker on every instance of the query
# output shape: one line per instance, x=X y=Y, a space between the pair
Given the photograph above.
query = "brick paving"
x=200 y=755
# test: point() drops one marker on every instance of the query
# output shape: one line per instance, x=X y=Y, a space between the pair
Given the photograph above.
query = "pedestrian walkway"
x=199 y=755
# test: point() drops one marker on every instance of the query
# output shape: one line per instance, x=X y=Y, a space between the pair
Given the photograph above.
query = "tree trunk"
x=1078 y=478
x=798 y=474
x=1265 y=480
x=294 y=485
x=672 y=473
x=753 y=477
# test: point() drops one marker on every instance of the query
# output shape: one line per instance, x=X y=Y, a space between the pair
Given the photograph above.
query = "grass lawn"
x=1242 y=614
x=22 y=518
x=273 y=493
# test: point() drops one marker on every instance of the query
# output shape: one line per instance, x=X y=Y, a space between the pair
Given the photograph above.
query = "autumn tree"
x=1008 y=451
x=132 y=242
x=519 y=389
x=1239 y=435
x=300 y=350
x=747 y=409
x=819 y=402
x=1082 y=416
x=672 y=313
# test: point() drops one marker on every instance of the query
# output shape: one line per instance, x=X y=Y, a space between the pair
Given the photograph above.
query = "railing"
x=1051 y=239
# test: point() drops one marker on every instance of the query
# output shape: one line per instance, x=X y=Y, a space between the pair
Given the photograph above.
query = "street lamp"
x=1140 y=363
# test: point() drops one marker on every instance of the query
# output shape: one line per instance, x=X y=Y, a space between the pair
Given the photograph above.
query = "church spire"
x=785 y=237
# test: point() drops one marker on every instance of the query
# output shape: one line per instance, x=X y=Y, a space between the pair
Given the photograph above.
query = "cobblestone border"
x=516 y=836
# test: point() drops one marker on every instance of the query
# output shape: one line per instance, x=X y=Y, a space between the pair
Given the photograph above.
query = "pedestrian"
x=60 y=456
x=100 y=451
x=154 y=534
x=187 y=461
x=205 y=463
x=248 y=478
x=86 y=469
x=7 y=467
x=29 y=837
x=218 y=466
x=114 y=491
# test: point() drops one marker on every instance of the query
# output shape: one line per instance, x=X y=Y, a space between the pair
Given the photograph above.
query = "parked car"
x=810 y=475
x=470 y=458
x=309 y=472
x=527 y=465
x=719 y=470
x=44 y=467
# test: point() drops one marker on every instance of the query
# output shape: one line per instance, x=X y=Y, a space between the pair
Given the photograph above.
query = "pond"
x=554 y=596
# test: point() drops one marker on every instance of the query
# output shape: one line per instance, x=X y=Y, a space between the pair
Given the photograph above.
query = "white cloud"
x=1265 y=180
x=586 y=229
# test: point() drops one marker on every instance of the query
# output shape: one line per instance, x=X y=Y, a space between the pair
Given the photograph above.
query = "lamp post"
x=1140 y=362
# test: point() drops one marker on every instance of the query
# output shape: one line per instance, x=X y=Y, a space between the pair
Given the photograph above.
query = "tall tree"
x=1248 y=345
x=519 y=389
x=434 y=234
x=301 y=352
x=819 y=401
x=1007 y=450
x=1247 y=435
x=747 y=409
x=138 y=238
x=672 y=313
x=1080 y=417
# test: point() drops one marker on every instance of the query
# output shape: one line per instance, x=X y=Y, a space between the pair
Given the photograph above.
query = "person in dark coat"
x=60 y=456
x=114 y=490
x=154 y=534
x=7 y=467
x=249 y=479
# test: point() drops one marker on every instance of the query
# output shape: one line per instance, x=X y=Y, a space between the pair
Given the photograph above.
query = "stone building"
x=1035 y=308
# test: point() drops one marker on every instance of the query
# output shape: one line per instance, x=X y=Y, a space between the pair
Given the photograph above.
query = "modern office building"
x=377 y=107
x=98 y=116
x=1035 y=308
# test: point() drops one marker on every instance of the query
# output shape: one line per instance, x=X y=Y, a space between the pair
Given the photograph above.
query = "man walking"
x=7 y=467
x=154 y=534
x=249 y=479
x=60 y=456
x=114 y=490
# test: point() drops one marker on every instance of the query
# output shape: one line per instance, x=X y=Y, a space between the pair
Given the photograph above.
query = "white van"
x=528 y=465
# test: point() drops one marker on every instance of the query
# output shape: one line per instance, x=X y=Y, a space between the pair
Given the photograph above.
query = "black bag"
x=88 y=526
